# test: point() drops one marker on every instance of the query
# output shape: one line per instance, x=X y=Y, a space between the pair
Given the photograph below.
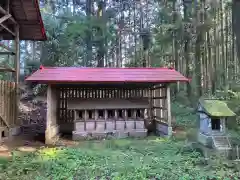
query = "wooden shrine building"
x=101 y=101
x=19 y=20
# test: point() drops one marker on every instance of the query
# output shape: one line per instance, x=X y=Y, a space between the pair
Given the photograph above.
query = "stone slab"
x=99 y=135
x=76 y=135
x=121 y=134
x=15 y=131
x=138 y=133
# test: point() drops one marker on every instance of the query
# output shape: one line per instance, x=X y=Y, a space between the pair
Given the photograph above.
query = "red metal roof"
x=47 y=75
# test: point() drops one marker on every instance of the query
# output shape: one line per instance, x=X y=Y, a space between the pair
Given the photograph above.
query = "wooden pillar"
x=17 y=69
x=105 y=117
x=105 y=114
x=75 y=115
x=169 y=116
x=134 y=114
x=115 y=118
x=52 y=127
x=96 y=115
x=86 y=115
x=125 y=114
x=116 y=114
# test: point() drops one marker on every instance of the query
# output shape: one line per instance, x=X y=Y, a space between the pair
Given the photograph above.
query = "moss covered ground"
x=128 y=159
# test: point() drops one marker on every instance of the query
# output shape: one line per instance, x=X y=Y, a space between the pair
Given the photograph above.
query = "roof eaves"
x=41 y=21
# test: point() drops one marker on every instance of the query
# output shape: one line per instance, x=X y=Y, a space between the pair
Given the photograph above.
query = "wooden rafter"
x=6 y=28
x=3 y=11
x=4 y=18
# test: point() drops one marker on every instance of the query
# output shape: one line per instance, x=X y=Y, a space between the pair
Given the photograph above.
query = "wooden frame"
x=157 y=98
x=9 y=90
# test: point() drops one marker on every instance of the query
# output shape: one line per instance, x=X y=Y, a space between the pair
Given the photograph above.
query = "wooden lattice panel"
x=67 y=93
x=8 y=113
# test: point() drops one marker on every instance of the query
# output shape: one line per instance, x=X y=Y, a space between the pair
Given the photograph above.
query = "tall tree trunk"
x=186 y=45
x=101 y=40
x=198 y=64
x=236 y=25
x=89 y=34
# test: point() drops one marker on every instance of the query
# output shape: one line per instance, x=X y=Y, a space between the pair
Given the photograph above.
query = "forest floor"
x=128 y=159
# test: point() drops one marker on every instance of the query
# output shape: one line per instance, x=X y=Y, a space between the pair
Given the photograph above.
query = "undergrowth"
x=128 y=159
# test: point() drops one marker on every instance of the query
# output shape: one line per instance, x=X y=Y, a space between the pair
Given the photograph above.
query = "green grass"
x=127 y=159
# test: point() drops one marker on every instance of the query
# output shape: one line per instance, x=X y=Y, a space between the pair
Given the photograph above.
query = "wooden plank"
x=5 y=69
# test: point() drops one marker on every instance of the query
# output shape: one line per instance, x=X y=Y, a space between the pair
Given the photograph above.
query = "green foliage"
x=114 y=159
x=185 y=117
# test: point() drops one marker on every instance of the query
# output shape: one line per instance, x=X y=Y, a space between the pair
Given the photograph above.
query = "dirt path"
x=29 y=144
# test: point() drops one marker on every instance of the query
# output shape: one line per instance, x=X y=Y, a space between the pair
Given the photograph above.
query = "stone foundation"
x=107 y=129
x=205 y=140
x=162 y=129
x=51 y=133
x=76 y=135
x=140 y=133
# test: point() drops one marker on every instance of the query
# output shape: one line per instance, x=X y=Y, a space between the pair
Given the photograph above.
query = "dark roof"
x=27 y=14
x=105 y=75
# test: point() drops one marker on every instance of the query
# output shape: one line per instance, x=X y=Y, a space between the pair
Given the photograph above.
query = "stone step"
x=221 y=142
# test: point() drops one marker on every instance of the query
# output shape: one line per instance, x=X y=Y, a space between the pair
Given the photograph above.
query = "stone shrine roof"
x=216 y=108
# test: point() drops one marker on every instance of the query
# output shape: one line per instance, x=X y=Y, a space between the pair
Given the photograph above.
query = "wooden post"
x=105 y=117
x=134 y=116
x=105 y=114
x=75 y=115
x=115 y=114
x=116 y=118
x=75 y=119
x=52 y=127
x=169 y=111
x=85 y=119
x=96 y=114
x=17 y=69
x=125 y=114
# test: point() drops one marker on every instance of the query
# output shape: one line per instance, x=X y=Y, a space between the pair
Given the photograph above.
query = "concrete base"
x=169 y=131
x=205 y=140
x=99 y=135
x=121 y=134
x=76 y=136
x=140 y=133
x=15 y=131
x=51 y=134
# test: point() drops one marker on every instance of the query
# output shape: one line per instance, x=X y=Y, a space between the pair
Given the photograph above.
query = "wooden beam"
x=4 y=18
x=6 y=28
x=6 y=47
x=3 y=11
x=7 y=53
x=5 y=69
